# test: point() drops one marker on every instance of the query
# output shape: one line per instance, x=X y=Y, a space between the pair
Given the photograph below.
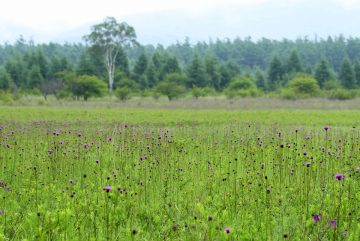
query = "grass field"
x=105 y=173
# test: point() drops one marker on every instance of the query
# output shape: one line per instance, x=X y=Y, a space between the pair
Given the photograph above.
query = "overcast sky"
x=166 y=21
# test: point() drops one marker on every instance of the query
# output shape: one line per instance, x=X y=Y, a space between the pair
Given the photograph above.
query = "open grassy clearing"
x=71 y=173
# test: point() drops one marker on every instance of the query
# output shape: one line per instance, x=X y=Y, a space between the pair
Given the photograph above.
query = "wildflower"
x=227 y=230
x=339 y=176
x=305 y=153
x=71 y=181
x=317 y=217
x=8 y=146
x=326 y=127
x=308 y=164
x=97 y=161
x=2 y=184
x=86 y=145
x=107 y=188
x=332 y=223
x=268 y=190
x=109 y=138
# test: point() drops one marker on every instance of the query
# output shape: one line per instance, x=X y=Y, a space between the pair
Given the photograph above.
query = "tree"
x=196 y=73
x=357 y=72
x=35 y=76
x=260 y=80
x=213 y=72
x=51 y=87
x=293 y=64
x=5 y=79
x=172 y=86
x=88 y=86
x=322 y=73
x=275 y=73
x=347 y=75
x=110 y=36
x=139 y=70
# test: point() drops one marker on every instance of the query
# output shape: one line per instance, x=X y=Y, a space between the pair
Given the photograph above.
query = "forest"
x=241 y=67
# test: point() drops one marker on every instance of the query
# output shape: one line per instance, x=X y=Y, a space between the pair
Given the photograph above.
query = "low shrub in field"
x=341 y=94
x=300 y=87
x=241 y=86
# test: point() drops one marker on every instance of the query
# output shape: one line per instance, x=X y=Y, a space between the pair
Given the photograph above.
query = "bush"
x=6 y=97
x=123 y=93
x=241 y=86
x=301 y=86
x=342 y=94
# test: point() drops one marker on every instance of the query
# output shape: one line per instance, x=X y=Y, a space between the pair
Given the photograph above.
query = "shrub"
x=123 y=93
x=301 y=86
x=342 y=94
x=241 y=86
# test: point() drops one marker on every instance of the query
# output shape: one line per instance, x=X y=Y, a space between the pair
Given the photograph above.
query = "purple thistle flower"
x=227 y=230
x=332 y=223
x=268 y=190
x=86 y=145
x=107 y=188
x=109 y=138
x=7 y=145
x=326 y=127
x=305 y=153
x=2 y=184
x=97 y=161
x=317 y=217
x=339 y=176
x=71 y=181
x=308 y=164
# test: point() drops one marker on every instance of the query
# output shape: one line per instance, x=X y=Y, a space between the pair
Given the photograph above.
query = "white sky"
x=56 y=16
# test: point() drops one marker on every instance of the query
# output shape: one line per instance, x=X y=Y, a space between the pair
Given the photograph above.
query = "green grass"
x=178 y=174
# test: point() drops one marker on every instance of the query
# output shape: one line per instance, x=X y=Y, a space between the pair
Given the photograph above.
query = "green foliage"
x=123 y=93
x=172 y=86
x=241 y=86
x=330 y=85
x=347 y=74
x=341 y=94
x=198 y=92
x=196 y=73
x=260 y=80
x=357 y=73
x=111 y=36
x=85 y=86
x=293 y=64
x=323 y=73
x=275 y=73
x=140 y=68
x=5 y=79
x=302 y=86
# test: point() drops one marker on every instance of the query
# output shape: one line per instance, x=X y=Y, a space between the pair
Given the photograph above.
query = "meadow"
x=109 y=173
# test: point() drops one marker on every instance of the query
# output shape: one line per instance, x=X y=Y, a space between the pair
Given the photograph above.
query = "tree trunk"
x=111 y=81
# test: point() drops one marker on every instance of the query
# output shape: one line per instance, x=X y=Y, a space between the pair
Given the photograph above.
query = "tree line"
x=239 y=67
